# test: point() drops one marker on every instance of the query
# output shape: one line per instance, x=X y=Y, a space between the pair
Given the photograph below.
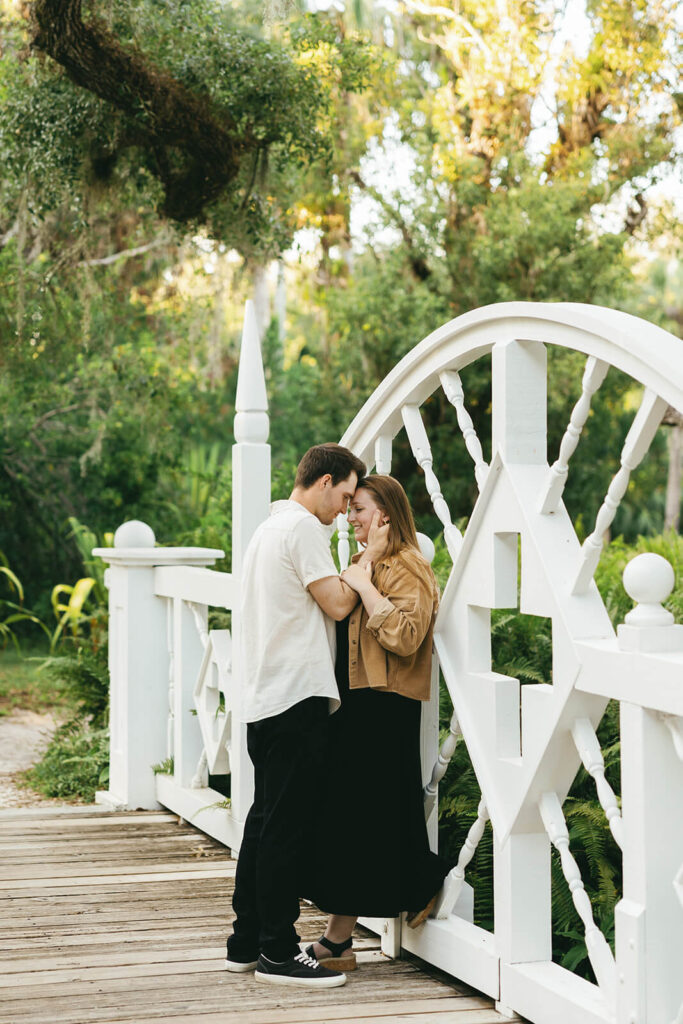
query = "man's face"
x=334 y=499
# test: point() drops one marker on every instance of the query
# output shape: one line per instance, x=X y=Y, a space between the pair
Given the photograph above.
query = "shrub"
x=75 y=764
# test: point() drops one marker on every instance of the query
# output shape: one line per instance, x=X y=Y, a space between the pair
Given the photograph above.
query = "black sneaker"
x=299 y=970
x=239 y=966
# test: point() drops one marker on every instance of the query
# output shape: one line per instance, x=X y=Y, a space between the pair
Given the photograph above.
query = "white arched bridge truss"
x=520 y=551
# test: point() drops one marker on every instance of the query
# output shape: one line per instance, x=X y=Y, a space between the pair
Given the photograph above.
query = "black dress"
x=373 y=857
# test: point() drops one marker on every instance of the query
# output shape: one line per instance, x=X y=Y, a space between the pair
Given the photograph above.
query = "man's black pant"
x=287 y=751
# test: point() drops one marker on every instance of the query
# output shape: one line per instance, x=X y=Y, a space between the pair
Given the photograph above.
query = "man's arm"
x=334 y=596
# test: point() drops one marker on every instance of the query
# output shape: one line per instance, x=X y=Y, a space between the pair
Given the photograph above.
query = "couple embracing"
x=334 y=737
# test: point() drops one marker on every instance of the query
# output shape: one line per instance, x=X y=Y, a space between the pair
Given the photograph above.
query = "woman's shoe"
x=417 y=917
x=340 y=959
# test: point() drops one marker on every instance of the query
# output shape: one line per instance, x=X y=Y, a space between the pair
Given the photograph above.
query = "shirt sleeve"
x=310 y=552
x=401 y=620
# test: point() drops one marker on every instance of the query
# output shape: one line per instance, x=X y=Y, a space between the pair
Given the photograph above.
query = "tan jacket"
x=392 y=648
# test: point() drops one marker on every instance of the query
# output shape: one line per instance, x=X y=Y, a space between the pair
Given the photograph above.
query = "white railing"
x=175 y=682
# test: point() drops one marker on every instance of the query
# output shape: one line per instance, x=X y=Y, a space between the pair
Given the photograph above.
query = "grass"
x=23 y=686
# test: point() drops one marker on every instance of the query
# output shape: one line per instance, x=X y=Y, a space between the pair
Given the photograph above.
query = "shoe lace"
x=307 y=961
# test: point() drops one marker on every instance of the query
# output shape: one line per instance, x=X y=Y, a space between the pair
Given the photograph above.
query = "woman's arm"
x=359 y=578
x=399 y=620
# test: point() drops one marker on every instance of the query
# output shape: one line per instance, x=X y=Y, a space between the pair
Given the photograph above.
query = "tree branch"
x=124 y=254
x=417 y=262
x=166 y=114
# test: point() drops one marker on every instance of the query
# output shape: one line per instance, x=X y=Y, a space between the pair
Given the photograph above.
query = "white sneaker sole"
x=281 y=979
x=238 y=968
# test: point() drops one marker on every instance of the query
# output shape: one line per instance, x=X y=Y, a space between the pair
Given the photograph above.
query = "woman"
x=374 y=859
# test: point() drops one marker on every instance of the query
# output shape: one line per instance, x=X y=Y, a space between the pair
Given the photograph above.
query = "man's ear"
x=324 y=481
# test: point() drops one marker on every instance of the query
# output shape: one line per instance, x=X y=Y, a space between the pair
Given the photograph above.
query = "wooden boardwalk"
x=112 y=917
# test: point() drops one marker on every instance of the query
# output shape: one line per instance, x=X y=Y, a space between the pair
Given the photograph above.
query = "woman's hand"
x=358 y=577
x=378 y=537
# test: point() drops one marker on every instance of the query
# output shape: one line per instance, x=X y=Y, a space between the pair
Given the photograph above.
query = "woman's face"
x=361 y=510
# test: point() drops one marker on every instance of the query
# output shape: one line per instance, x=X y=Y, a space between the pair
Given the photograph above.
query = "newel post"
x=522 y=884
x=250 y=506
x=138 y=662
x=649 y=919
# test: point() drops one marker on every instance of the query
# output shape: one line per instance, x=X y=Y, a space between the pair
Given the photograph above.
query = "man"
x=291 y=592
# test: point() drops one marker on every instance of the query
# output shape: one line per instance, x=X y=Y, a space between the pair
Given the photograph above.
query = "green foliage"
x=164 y=767
x=70 y=613
x=75 y=765
x=13 y=612
x=81 y=676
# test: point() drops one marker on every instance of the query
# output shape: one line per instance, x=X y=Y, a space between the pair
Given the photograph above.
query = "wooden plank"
x=131 y=858
x=64 y=870
x=126 y=964
x=156 y=898
x=423 y=1011
x=385 y=975
x=111 y=842
x=464 y=1015
x=117 y=940
x=196 y=994
x=34 y=884
x=120 y=885
x=108 y=835
x=102 y=921
x=133 y=834
x=131 y=910
x=192 y=889
x=122 y=937
x=198 y=1008
x=52 y=811
x=10 y=824
x=36 y=867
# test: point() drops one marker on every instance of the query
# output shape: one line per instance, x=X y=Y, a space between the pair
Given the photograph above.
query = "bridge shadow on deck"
x=123 y=916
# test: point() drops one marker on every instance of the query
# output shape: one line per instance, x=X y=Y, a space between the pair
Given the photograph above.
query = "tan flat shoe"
x=415 y=918
x=342 y=957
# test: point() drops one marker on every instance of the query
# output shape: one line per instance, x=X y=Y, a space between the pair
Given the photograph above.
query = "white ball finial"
x=134 y=534
x=649 y=579
x=426 y=546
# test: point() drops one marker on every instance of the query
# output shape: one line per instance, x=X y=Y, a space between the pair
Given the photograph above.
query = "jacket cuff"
x=383 y=609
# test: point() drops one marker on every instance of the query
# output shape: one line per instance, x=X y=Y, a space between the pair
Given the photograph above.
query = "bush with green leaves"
x=75 y=765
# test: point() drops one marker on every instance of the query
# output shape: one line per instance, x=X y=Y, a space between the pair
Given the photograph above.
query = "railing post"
x=649 y=919
x=138 y=662
x=250 y=505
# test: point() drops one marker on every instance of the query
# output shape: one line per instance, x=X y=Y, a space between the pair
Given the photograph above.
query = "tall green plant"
x=12 y=611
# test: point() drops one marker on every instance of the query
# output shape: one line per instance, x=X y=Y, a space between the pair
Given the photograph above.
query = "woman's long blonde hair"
x=393 y=501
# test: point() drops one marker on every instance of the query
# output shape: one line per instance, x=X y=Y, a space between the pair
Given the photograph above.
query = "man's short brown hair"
x=328 y=458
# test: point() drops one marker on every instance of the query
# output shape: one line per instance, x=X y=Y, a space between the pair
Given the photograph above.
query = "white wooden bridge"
x=175 y=684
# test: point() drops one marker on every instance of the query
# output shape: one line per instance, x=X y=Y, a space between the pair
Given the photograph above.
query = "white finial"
x=251 y=402
x=649 y=579
x=426 y=545
x=134 y=534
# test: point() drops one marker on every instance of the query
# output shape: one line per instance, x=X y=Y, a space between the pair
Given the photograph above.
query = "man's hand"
x=358 y=576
